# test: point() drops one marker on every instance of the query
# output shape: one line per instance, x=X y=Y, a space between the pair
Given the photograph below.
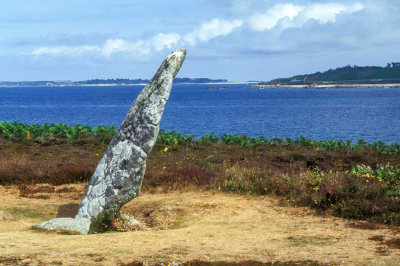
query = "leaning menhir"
x=119 y=174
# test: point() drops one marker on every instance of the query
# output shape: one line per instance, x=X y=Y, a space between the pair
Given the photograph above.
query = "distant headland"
x=102 y=82
x=341 y=77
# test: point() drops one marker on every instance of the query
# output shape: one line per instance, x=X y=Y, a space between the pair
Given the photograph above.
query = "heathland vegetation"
x=352 y=180
x=347 y=75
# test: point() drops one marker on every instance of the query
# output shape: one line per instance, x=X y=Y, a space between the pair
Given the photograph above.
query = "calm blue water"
x=373 y=114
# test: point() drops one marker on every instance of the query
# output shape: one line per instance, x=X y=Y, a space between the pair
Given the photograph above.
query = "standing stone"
x=119 y=174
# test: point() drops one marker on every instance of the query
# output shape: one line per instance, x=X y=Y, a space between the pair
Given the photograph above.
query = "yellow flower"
x=97 y=154
x=165 y=149
x=175 y=145
x=367 y=180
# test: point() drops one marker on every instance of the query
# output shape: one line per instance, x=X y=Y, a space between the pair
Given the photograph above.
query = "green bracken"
x=16 y=131
x=20 y=131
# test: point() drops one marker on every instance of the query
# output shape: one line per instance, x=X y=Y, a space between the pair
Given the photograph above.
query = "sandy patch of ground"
x=186 y=226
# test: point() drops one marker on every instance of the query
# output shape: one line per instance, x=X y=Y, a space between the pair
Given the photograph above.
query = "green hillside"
x=347 y=74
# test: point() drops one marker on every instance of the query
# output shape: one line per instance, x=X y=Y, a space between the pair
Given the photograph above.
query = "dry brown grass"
x=187 y=226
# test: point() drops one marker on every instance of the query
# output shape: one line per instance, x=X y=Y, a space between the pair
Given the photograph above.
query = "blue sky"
x=234 y=39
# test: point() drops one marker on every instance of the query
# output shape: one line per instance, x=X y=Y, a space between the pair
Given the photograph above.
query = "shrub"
x=387 y=174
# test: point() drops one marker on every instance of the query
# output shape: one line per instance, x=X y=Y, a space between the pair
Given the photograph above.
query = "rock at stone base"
x=119 y=174
x=4 y=216
x=79 y=225
x=125 y=224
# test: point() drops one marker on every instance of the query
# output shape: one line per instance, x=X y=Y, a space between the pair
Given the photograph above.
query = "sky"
x=239 y=40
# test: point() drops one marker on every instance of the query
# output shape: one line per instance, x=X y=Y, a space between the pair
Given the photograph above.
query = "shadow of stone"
x=67 y=210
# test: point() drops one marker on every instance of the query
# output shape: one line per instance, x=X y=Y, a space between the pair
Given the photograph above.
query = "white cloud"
x=64 y=50
x=142 y=48
x=270 y=19
x=291 y=16
x=113 y=46
x=211 y=30
x=137 y=49
x=324 y=13
x=162 y=41
x=280 y=16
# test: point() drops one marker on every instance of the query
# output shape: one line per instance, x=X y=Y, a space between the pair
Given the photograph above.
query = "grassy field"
x=232 y=199
x=189 y=226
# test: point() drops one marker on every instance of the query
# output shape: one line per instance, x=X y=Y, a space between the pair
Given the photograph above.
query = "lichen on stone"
x=119 y=174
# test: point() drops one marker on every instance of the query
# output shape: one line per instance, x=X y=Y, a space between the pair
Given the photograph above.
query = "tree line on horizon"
x=118 y=81
x=348 y=74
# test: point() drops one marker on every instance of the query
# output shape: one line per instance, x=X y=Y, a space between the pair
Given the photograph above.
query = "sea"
x=372 y=114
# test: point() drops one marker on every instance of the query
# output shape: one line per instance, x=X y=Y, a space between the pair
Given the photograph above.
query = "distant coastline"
x=325 y=86
x=341 y=77
x=112 y=82
x=116 y=85
x=251 y=85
